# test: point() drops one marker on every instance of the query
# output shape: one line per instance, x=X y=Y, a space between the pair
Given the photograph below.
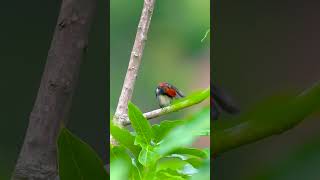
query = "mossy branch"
x=184 y=103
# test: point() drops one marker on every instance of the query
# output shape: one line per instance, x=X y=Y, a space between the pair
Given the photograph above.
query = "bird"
x=220 y=100
x=166 y=92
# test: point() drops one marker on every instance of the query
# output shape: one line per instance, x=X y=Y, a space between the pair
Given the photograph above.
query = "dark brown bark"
x=37 y=159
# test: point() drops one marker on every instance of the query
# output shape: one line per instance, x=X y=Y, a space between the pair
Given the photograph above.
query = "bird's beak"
x=157 y=91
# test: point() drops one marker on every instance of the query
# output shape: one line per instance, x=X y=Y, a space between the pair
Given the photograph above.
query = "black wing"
x=223 y=100
x=177 y=90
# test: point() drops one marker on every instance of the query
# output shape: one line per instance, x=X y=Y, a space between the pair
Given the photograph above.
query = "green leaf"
x=207 y=151
x=170 y=174
x=190 y=151
x=141 y=125
x=77 y=160
x=195 y=162
x=274 y=116
x=119 y=169
x=162 y=129
x=189 y=170
x=175 y=158
x=196 y=96
x=204 y=172
x=148 y=157
x=184 y=135
x=205 y=132
x=174 y=163
x=125 y=138
x=149 y=172
x=136 y=171
x=119 y=152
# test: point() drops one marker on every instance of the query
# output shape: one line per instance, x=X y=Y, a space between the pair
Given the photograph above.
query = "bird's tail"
x=180 y=94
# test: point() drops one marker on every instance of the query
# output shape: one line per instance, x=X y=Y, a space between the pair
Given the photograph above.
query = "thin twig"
x=121 y=114
x=175 y=107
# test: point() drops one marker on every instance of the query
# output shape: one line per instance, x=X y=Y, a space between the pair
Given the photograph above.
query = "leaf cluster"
x=160 y=151
x=150 y=152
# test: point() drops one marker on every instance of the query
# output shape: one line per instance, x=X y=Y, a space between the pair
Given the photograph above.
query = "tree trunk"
x=37 y=159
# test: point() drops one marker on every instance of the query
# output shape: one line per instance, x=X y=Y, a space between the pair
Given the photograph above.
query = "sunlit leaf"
x=170 y=174
x=184 y=135
x=190 y=151
x=119 y=169
x=148 y=156
x=162 y=129
x=203 y=173
x=141 y=125
x=119 y=152
x=125 y=138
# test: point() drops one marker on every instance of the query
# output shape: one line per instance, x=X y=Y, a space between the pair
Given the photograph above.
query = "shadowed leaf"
x=77 y=160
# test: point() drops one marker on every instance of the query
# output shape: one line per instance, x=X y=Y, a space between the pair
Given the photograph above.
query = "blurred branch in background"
x=274 y=116
x=38 y=156
x=121 y=114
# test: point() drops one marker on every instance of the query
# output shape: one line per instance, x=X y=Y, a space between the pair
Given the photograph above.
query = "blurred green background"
x=26 y=31
x=261 y=48
x=173 y=53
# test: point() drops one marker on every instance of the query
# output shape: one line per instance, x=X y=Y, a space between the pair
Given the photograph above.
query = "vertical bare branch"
x=37 y=159
x=121 y=114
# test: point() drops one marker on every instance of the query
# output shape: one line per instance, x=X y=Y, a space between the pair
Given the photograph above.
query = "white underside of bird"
x=164 y=100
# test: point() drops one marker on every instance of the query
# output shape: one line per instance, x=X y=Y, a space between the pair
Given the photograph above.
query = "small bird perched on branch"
x=220 y=99
x=166 y=92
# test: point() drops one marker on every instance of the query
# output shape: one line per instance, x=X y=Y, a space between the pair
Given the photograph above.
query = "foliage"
x=77 y=160
x=160 y=151
x=274 y=116
x=150 y=152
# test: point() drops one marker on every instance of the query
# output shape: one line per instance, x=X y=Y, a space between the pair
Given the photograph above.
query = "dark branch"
x=37 y=159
